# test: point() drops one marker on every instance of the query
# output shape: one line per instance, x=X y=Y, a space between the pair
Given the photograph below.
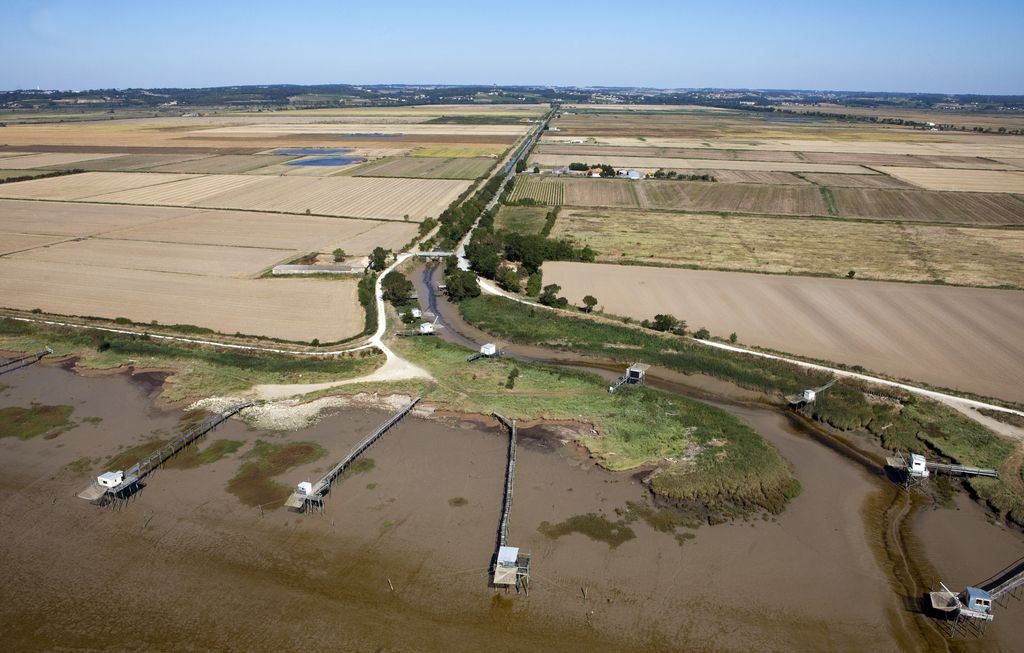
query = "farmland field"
x=600 y=192
x=521 y=219
x=456 y=151
x=930 y=206
x=649 y=163
x=291 y=309
x=337 y=196
x=427 y=168
x=28 y=161
x=954 y=255
x=740 y=198
x=856 y=181
x=982 y=181
x=200 y=227
x=548 y=191
x=961 y=338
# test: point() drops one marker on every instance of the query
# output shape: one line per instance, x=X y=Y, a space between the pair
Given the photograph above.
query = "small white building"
x=304 y=489
x=918 y=466
x=110 y=479
x=490 y=349
x=416 y=313
x=426 y=328
x=810 y=396
x=506 y=566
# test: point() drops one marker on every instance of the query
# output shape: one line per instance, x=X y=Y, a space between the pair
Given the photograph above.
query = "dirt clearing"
x=958 y=338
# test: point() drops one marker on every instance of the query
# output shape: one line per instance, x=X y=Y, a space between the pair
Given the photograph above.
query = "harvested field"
x=10 y=242
x=205 y=260
x=201 y=227
x=291 y=309
x=457 y=151
x=389 y=199
x=83 y=186
x=740 y=198
x=558 y=160
x=293 y=232
x=77 y=220
x=427 y=168
x=895 y=252
x=521 y=219
x=856 y=181
x=548 y=191
x=908 y=160
x=337 y=196
x=29 y=161
x=756 y=177
x=137 y=162
x=930 y=206
x=190 y=191
x=980 y=181
x=600 y=152
x=226 y=164
x=600 y=192
x=364 y=130
x=963 y=338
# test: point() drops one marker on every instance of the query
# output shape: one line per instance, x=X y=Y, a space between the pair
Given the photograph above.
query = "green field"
x=521 y=219
x=546 y=191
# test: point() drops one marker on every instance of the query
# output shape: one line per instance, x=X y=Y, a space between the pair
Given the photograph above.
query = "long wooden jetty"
x=312 y=494
x=1010 y=580
x=899 y=462
x=118 y=484
x=23 y=361
x=510 y=470
x=509 y=567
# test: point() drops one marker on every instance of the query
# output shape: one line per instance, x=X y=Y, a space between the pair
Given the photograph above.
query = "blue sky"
x=937 y=46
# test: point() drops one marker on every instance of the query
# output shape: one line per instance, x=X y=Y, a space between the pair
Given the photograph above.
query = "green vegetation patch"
x=192 y=457
x=254 y=484
x=79 y=466
x=200 y=372
x=37 y=419
x=458 y=502
x=597 y=527
x=359 y=466
x=900 y=420
x=701 y=452
x=129 y=457
x=521 y=219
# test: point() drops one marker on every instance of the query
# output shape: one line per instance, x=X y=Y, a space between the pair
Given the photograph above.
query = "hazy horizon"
x=913 y=47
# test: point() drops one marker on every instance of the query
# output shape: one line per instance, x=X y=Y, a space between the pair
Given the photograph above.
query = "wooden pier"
x=900 y=463
x=509 y=567
x=309 y=495
x=23 y=361
x=121 y=484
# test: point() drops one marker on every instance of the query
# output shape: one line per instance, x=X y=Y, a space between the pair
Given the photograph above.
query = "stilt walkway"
x=1009 y=580
x=315 y=495
x=140 y=470
x=506 y=507
x=24 y=361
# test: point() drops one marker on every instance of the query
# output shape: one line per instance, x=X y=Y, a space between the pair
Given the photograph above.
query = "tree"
x=461 y=284
x=590 y=302
x=512 y=376
x=702 y=334
x=536 y=170
x=665 y=322
x=508 y=280
x=379 y=258
x=733 y=337
x=533 y=284
x=397 y=288
x=339 y=255
x=549 y=296
x=851 y=274
x=520 y=165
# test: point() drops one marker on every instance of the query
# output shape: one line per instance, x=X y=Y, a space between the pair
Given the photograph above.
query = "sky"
x=902 y=45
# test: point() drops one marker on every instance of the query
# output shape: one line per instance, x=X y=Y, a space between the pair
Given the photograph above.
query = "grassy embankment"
x=704 y=459
x=897 y=419
x=198 y=372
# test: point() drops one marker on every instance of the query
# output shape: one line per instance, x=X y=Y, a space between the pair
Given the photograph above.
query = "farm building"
x=629 y=174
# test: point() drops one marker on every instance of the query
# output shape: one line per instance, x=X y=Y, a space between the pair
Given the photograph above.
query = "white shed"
x=416 y=313
x=426 y=328
x=918 y=466
x=490 y=349
x=110 y=479
x=304 y=488
x=809 y=395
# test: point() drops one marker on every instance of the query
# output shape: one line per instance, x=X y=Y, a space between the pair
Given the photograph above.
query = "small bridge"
x=434 y=253
x=115 y=485
x=23 y=361
x=309 y=495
